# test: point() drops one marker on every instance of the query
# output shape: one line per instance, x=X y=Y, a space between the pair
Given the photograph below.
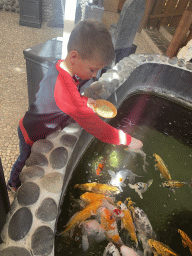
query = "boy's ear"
x=74 y=56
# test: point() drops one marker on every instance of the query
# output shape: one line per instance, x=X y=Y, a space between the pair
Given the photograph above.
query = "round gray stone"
x=32 y=172
x=58 y=158
x=28 y=194
x=68 y=140
x=42 y=146
x=15 y=251
x=163 y=58
x=72 y=128
x=36 y=159
x=181 y=63
x=172 y=61
x=150 y=58
x=53 y=135
x=42 y=241
x=20 y=224
x=52 y=182
x=188 y=65
x=47 y=210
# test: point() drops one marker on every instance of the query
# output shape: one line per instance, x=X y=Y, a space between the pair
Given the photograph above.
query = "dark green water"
x=165 y=128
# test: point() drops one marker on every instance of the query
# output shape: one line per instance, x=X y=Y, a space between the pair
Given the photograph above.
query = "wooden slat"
x=157 y=9
x=148 y=9
x=180 y=33
x=165 y=15
x=169 y=8
x=174 y=21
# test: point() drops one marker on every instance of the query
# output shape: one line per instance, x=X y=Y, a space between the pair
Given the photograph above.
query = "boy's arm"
x=69 y=100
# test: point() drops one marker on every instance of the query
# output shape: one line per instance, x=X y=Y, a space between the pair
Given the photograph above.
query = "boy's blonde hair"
x=91 y=38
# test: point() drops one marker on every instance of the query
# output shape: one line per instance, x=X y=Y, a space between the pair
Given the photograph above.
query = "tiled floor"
x=13 y=81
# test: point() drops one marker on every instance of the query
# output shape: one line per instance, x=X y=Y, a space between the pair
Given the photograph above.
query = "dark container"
x=4 y=199
x=30 y=13
x=38 y=59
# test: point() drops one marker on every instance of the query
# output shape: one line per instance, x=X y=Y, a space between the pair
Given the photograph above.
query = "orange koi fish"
x=162 y=168
x=171 y=184
x=89 y=197
x=95 y=187
x=100 y=166
x=186 y=241
x=127 y=222
x=109 y=224
x=160 y=248
x=81 y=216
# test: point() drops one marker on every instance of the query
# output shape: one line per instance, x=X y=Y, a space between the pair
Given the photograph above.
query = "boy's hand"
x=135 y=144
x=91 y=103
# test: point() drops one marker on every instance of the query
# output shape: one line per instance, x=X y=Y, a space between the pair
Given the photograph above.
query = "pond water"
x=165 y=128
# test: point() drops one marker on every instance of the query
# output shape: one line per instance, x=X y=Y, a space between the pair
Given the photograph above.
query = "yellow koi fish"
x=89 y=197
x=130 y=204
x=162 y=168
x=81 y=216
x=109 y=224
x=160 y=248
x=186 y=241
x=95 y=187
x=172 y=184
x=127 y=222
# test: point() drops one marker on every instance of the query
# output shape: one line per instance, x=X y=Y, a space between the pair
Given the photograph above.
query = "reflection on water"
x=165 y=129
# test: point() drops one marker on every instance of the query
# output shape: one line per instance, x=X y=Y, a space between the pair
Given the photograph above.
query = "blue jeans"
x=25 y=151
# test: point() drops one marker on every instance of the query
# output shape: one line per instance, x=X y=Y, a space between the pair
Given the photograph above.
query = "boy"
x=90 y=48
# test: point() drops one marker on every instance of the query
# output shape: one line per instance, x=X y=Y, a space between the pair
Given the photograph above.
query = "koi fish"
x=89 y=197
x=162 y=168
x=172 y=184
x=109 y=224
x=119 y=178
x=140 y=152
x=127 y=222
x=91 y=228
x=141 y=187
x=144 y=229
x=95 y=187
x=160 y=248
x=130 y=204
x=116 y=212
x=127 y=251
x=100 y=166
x=81 y=216
x=186 y=241
x=111 y=250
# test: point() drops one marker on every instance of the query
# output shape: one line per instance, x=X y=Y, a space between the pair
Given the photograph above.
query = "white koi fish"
x=117 y=179
x=144 y=229
x=141 y=187
x=111 y=250
x=127 y=251
x=91 y=228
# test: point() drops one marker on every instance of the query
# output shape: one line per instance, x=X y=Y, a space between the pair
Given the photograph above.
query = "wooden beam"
x=165 y=15
x=148 y=10
x=180 y=33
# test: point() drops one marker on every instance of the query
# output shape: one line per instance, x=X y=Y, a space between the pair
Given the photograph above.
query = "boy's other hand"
x=91 y=103
x=135 y=144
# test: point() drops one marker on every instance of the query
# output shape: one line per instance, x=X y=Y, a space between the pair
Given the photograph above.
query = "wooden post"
x=180 y=33
x=148 y=10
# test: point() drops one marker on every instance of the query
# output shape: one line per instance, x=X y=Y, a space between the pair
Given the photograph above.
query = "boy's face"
x=86 y=69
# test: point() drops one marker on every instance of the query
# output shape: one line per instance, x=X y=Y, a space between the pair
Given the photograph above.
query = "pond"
x=164 y=127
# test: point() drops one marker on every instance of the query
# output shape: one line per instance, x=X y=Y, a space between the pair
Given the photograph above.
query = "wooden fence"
x=166 y=12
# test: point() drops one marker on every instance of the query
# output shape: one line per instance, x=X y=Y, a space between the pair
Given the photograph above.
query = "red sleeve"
x=69 y=100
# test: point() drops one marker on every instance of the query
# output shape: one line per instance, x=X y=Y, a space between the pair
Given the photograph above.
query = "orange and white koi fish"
x=127 y=222
x=160 y=248
x=111 y=249
x=172 y=184
x=100 y=166
x=116 y=212
x=81 y=216
x=141 y=187
x=95 y=187
x=127 y=251
x=162 y=168
x=186 y=241
x=109 y=224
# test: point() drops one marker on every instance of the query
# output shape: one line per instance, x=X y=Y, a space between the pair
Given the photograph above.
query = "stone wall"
x=31 y=222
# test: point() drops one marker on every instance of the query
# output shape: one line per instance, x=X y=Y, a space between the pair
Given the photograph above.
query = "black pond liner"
x=141 y=97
